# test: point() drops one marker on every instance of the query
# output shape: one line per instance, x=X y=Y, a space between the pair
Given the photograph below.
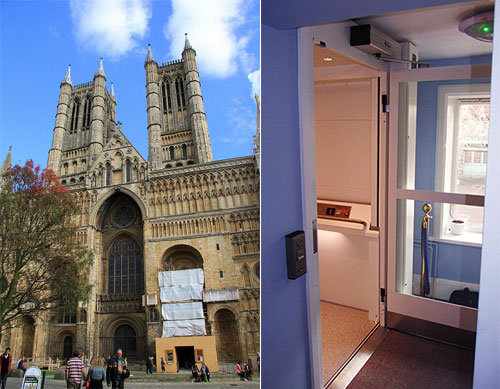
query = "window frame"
x=448 y=116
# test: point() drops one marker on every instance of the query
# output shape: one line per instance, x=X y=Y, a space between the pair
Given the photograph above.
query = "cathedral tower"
x=177 y=125
x=85 y=120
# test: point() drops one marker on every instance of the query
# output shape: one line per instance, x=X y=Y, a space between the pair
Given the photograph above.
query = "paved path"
x=50 y=383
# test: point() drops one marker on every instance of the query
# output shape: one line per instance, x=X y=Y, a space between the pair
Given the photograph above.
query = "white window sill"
x=472 y=239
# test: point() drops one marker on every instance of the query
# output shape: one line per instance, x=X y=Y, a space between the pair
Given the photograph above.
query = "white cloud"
x=214 y=31
x=110 y=27
x=241 y=124
x=254 y=78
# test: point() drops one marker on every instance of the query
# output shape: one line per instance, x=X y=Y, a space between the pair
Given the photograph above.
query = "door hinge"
x=382 y=295
x=385 y=104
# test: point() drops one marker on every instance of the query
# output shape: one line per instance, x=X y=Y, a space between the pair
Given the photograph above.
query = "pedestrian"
x=149 y=365
x=241 y=372
x=248 y=371
x=258 y=360
x=205 y=373
x=96 y=375
x=74 y=372
x=195 y=372
x=5 y=366
x=21 y=365
x=163 y=364
x=117 y=371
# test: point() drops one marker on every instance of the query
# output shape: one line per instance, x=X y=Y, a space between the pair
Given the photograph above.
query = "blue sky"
x=40 y=38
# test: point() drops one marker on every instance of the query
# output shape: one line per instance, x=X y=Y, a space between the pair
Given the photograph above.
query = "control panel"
x=334 y=211
x=296 y=254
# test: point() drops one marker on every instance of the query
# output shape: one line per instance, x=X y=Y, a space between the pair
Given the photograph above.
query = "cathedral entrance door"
x=185 y=357
x=68 y=347
x=125 y=339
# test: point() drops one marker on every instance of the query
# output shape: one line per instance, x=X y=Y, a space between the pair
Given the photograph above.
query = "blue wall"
x=453 y=261
x=284 y=337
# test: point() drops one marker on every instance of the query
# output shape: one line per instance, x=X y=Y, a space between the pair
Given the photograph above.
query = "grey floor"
x=50 y=383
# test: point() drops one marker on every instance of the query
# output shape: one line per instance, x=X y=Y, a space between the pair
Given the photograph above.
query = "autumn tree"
x=42 y=265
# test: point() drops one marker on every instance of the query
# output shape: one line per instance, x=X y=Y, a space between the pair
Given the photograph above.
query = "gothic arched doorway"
x=28 y=336
x=68 y=347
x=227 y=338
x=125 y=339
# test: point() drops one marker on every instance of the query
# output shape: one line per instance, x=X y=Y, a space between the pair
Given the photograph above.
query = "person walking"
x=5 y=366
x=74 y=372
x=96 y=375
x=163 y=364
x=117 y=371
x=149 y=365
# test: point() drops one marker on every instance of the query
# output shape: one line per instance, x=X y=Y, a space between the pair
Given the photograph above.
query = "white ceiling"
x=434 y=30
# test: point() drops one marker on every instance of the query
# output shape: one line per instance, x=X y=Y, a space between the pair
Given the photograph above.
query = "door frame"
x=336 y=37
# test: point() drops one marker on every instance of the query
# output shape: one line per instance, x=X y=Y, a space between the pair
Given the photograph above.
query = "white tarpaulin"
x=181 y=277
x=182 y=311
x=211 y=295
x=181 y=285
x=183 y=328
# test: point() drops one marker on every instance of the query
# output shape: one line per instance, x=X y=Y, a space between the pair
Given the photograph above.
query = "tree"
x=42 y=265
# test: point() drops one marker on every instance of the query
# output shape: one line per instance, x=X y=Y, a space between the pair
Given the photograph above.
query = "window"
x=171 y=153
x=169 y=101
x=125 y=273
x=108 y=175
x=464 y=112
x=184 y=151
x=65 y=317
x=164 y=96
x=129 y=171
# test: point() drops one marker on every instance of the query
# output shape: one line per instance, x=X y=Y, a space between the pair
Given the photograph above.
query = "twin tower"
x=177 y=125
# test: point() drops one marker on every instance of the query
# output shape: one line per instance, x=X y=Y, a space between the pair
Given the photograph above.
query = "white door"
x=438 y=148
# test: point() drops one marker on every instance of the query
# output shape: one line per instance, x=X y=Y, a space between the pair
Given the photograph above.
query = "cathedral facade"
x=177 y=210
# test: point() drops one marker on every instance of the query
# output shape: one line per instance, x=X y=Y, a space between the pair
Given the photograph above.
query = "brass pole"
x=427 y=208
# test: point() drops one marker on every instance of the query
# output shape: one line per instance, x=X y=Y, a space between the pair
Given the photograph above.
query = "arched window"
x=76 y=117
x=169 y=101
x=172 y=153
x=125 y=273
x=129 y=171
x=108 y=175
x=182 y=93
x=165 y=107
x=85 y=114
x=72 y=118
x=178 y=92
x=83 y=316
x=184 y=151
x=89 y=104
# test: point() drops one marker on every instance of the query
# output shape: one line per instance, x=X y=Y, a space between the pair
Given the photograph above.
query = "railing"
x=45 y=363
x=227 y=367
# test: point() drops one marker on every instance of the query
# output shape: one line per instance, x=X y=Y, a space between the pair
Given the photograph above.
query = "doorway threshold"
x=351 y=367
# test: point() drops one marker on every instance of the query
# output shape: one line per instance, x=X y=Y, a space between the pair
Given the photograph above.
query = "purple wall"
x=283 y=303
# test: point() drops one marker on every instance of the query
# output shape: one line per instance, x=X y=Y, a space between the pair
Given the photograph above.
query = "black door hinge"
x=385 y=104
x=382 y=295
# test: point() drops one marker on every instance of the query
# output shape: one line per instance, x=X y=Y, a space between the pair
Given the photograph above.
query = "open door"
x=438 y=150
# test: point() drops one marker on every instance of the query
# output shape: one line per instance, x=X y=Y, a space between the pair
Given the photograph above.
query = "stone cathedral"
x=179 y=209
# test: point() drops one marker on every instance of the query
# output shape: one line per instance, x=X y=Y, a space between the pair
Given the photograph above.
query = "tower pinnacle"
x=187 y=45
x=149 y=58
x=112 y=94
x=67 y=79
x=100 y=70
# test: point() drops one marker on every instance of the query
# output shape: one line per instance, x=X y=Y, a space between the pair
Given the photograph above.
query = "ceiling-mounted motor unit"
x=479 y=26
x=370 y=40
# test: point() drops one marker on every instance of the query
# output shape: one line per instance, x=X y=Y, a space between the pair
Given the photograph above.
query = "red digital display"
x=330 y=211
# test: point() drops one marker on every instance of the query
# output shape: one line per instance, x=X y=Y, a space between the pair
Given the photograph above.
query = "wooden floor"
x=342 y=330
